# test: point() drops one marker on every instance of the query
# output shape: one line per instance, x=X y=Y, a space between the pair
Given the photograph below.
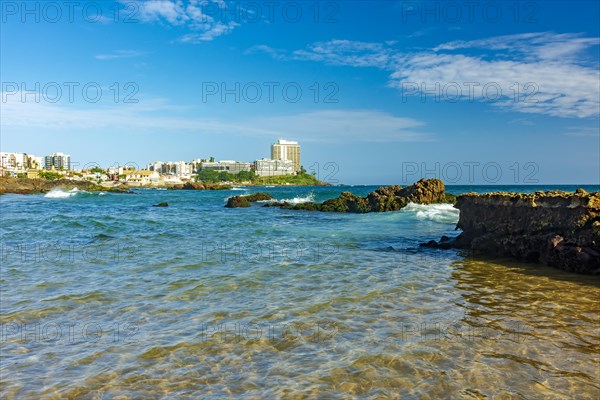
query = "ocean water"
x=104 y=296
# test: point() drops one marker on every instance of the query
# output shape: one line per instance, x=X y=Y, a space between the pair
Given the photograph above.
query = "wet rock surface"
x=245 y=200
x=384 y=199
x=555 y=228
x=32 y=186
x=200 y=186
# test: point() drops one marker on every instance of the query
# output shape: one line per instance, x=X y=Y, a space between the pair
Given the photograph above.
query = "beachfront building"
x=19 y=163
x=14 y=163
x=266 y=167
x=233 y=167
x=287 y=150
x=141 y=177
x=57 y=161
x=179 y=169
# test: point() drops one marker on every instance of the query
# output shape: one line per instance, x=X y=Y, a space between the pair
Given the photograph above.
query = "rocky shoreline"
x=36 y=186
x=384 y=199
x=554 y=228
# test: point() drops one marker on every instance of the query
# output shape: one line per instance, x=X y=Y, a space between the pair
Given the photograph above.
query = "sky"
x=376 y=92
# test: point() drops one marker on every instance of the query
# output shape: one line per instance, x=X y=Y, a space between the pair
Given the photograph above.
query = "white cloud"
x=551 y=68
x=172 y=11
x=120 y=54
x=190 y=14
x=214 y=31
x=346 y=52
x=337 y=126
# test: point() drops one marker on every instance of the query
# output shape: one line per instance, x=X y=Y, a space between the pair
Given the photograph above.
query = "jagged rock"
x=244 y=201
x=260 y=196
x=385 y=198
x=30 y=186
x=237 y=202
x=200 y=186
x=555 y=228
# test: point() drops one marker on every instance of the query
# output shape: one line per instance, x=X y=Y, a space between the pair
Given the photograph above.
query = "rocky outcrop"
x=555 y=228
x=200 y=186
x=32 y=186
x=244 y=201
x=386 y=198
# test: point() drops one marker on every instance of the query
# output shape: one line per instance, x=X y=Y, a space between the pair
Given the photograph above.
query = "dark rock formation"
x=555 y=228
x=162 y=204
x=244 y=201
x=32 y=186
x=386 y=198
x=200 y=186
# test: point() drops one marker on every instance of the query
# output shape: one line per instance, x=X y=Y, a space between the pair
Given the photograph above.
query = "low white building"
x=180 y=169
x=267 y=167
x=233 y=167
x=141 y=177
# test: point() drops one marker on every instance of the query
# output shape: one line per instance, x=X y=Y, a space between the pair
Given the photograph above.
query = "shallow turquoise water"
x=105 y=295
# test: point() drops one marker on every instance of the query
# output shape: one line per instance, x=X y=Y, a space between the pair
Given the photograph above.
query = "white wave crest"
x=298 y=200
x=237 y=188
x=443 y=213
x=58 y=193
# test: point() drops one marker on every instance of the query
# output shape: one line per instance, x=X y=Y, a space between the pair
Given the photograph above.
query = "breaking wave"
x=443 y=213
x=58 y=193
x=298 y=199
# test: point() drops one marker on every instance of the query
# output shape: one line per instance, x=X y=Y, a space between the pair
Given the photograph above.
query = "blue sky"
x=499 y=92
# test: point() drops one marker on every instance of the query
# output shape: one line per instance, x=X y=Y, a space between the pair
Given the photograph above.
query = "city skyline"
x=168 y=79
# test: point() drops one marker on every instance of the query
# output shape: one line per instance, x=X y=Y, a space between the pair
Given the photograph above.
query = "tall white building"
x=58 y=161
x=287 y=150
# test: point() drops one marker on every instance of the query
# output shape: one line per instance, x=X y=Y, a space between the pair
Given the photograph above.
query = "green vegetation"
x=298 y=180
x=97 y=170
x=302 y=179
x=211 y=176
x=50 y=175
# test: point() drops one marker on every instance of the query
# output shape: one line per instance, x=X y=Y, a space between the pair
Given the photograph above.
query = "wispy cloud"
x=120 y=54
x=552 y=68
x=278 y=54
x=346 y=126
x=212 y=32
x=334 y=126
x=190 y=14
x=585 y=131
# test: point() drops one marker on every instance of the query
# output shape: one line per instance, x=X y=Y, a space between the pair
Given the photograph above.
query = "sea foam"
x=58 y=193
x=299 y=199
x=443 y=213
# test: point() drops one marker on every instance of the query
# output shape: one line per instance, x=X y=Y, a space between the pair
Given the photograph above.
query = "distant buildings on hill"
x=285 y=160
x=21 y=163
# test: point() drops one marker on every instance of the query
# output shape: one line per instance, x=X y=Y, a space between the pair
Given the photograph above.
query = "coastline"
x=11 y=185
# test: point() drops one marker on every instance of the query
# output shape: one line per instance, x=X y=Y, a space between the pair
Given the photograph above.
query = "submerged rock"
x=555 y=228
x=163 y=204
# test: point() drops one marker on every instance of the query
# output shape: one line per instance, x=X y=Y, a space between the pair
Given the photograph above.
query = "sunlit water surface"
x=105 y=296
